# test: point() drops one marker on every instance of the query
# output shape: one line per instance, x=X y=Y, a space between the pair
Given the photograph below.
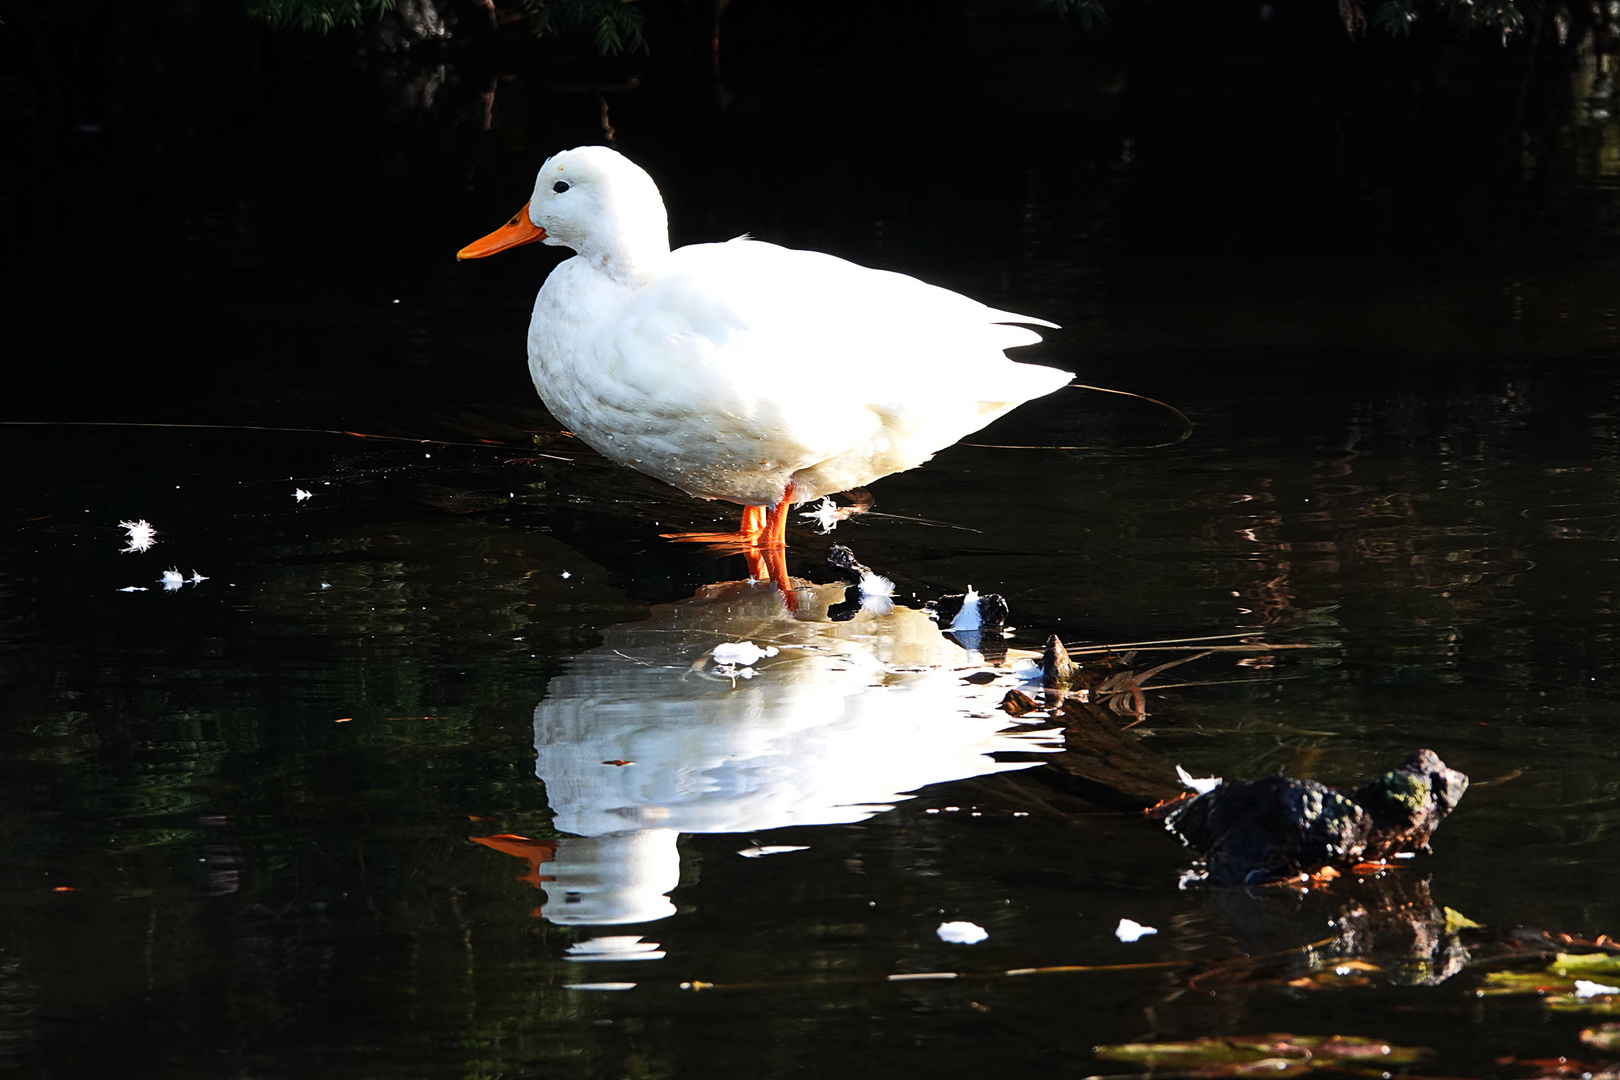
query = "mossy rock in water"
x=1408 y=803
x=1280 y=825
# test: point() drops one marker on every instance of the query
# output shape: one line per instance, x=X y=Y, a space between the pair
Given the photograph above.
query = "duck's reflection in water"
x=650 y=735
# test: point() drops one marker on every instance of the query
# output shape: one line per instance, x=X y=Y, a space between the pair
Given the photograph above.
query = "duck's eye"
x=560 y=186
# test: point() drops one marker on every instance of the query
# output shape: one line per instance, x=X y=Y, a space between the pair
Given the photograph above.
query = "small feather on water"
x=141 y=535
x=826 y=514
x=1199 y=784
x=961 y=933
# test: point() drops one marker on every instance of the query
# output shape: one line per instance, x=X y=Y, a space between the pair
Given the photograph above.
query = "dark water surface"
x=237 y=813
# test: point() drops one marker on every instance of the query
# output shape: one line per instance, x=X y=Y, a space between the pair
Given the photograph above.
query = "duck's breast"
x=669 y=378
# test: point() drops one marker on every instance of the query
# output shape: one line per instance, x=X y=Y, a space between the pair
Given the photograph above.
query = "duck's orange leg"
x=760 y=528
x=773 y=531
x=761 y=539
x=753 y=523
x=772 y=547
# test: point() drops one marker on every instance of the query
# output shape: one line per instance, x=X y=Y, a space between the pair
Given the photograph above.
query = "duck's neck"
x=635 y=250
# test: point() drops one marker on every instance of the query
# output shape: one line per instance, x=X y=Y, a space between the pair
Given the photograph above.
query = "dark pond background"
x=1379 y=276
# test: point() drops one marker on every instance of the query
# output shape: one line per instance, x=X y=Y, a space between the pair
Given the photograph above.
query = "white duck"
x=742 y=370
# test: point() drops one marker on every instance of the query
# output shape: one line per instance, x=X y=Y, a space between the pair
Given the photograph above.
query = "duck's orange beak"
x=520 y=230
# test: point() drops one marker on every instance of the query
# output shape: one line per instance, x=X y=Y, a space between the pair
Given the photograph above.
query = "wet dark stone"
x=1253 y=830
x=1408 y=803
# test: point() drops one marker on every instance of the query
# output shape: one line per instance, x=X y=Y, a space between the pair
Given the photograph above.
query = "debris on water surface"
x=826 y=514
x=173 y=579
x=1058 y=671
x=771 y=849
x=876 y=591
x=1018 y=703
x=877 y=594
x=1570 y=983
x=967 y=616
x=1197 y=784
x=741 y=653
x=961 y=933
x=299 y=495
x=141 y=535
x=1130 y=930
x=1106 y=674
x=849 y=568
x=968 y=611
x=1275 y=1055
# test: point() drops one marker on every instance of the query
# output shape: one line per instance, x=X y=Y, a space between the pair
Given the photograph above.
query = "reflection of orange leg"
x=773 y=546
x=760 y=528
x=746 y=536
x=762 y=540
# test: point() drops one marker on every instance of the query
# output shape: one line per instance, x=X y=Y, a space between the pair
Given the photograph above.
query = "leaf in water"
x=1562 y=984
x=1343 y=975
x=1523 y=982
x=1456 y=920
x=1273 y=1055
x=1588 y=964
x=1598 y=1005
x=1327 y=980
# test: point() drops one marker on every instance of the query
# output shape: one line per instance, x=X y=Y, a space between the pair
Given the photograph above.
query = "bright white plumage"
x=742 y=370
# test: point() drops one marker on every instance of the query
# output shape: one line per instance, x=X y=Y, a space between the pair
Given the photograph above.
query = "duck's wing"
x=825 y=351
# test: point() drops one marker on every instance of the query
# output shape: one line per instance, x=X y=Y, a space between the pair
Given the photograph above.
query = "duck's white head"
x=596 y=201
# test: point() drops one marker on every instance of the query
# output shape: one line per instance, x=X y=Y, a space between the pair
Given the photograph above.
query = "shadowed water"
x=239 y=815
